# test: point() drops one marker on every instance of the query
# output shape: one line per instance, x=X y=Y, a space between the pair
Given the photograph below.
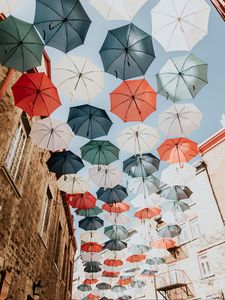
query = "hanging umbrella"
x=99 y=152
x=117 y=218
x=138 y=249
x=180 y=119
x=82 y=200
x=169 y=231
x=124 y=297
x=161 y=253
x=105 y=176
x=90 y=281
x=138 y=284
x=92 y=269
x=20 y=45
x=91 y=223
x=115 y=255
x=175 y=175
x=110 y=274
x=138 y=139
x=91 y=256
x=92 y=297
x=112 y=195
x=63 y=26
x=163 y=243
x=176 y=193
x=91 y=247
x=118 y=288
x=147 y=213
x=150 y=201
x=143 y=185
x=173 y=206
x=84 y=288
x=113 y=262
x=179 y=25
x=7 y=7
x=92 y=236
x=115 y=245
x=65 y=162
x=136 y=258
x=142 y=165
x=103 y=286
x=125 y=281
x=51 y=134
x=175 y=217
x=116 y=207
x=116 y=232
x=178 y=150
x=133 y=100
x=79 y=78
x=155 y=261
x=90 y=212
x=148 y=273
x=127 y=52
x=89 y=121
x=182 y=77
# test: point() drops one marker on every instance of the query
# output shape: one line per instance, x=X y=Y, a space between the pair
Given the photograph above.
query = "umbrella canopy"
x=163 y=244
x=150 y=201
x=51 y=134
x=176 y=193
x=133 y=100
x=91 y=256
x=65 y=162
x=63 y=26
x=91 y=223
x=138 y=249
x=92 y=269
x=115 y=245
x=78 y=78
x=112 y=195
x=113 y=262
x=155 y=261
x=178 y=150
x=125 y=281
x=138 y=139
x=142 y=165
x=7 y=7
x=118 y=288
x=127 y=52
x=73 y=184
x=89 y=121
x=91 y=247
x=143 y=185
x=82 y=201
x=175 y=175
x=173 y=206
x=117 y=9
x=182 y=77
x=105 y=176
x=99 y=152
x=91 y=212
x=138 y=284
x=147 y=213
x=180 y=24
x=84 y=288
x=116 y=207
x=103 y=286
x=136 y=258
x=20 y=45
x=117 y=218
x=169 y=231
x=35 y=94
x=110 y=274
x=92 y=236
x=116 y=232
x=90 y=281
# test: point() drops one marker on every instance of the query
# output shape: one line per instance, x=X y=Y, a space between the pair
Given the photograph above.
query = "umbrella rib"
x=51 y=8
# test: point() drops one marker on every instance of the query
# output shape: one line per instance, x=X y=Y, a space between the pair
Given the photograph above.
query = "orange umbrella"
x=163 y=244
x=116 y=207
x=110 y=274
x=136 y=258
x=81 y=201
x=133 y=100
x=91 y=247
x=90 y=281
x=93 y=297
x=147 y=213
x=178 y=150
x=125 y=281
x=113 y=262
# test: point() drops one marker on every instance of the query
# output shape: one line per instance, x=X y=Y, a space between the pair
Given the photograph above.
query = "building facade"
x=37 y=244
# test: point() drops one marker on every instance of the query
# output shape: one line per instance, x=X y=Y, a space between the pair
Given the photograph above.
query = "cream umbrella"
x=143 y=185
x=151 y=201
x=118 y=219
x=93 y=236
x=78 y=78
x=105 y=176
x=7 y=7
x=180 y=24
x=175 y=175
x=73 y=184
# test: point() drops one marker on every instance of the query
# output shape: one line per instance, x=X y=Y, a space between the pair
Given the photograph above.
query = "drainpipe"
x=6 y=82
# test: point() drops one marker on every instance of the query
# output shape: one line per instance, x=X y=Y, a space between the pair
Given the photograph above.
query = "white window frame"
x=205 y=267
x=46 y=211
x=193 y=225
x=184 y=237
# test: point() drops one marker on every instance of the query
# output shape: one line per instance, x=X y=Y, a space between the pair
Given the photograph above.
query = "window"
x=71 y=277
x=45 y=215
x=205 y=266
x=184 y=237
x=58 y=242
x=64 y=263
x=195 y=229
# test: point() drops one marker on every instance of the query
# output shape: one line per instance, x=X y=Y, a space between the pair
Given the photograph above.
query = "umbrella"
x=99 y=152
x=138 y=249
x=92 y=297
x=125 y=281
x=51 y=134
x=178 y=150
x=63 y=26
x=103 y=286
x=92 y=236
x=173 y=206
x=91 y=247
x=89 y=121
x=163 y=243
x=118 y=288
x=90 y=281
x=117 y=218
x=169 y=231
x=110 y=274
x=180 y=24
x=142 y=165
x=142 y=202
x=148 y=273
x=81 y=201
x=91 y=256
x=117 y=9
x=84 y=288
x=176 y=193
x=136 y=258
x=92 y=269
x=113 y=262
x=155 y=261
x=143 y=185
x=112 y=195
x=115 y=245
x=175 y=175
x=147 y=213
x=180 y=119
x=73 y=184
x=90 y=212
x=133 y=100
x=127 y=52
x=78 y=78
x=65 y=162
x=138 y=139
x=91 y=223
x=105 y=176
x=116 y=232
x=137 y=284
x=124 y=297
x=175 y=217
x=116 y=207
x=7 y=7
x=182 y=77
x=20 y=45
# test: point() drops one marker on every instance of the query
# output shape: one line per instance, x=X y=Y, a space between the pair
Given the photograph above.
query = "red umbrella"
x=147 y=213
x=90 y=281
x=93 y=297
x=125 y=281
x=178 y=150
x=113 y=262
x=133 y=100
x=136 y=258
x=110 y=274
x=91 y=247
x=81 y=201
x=163 y=244
x=116 y=207
x=35 y=94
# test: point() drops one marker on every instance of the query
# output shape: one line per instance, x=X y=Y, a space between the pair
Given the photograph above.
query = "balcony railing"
x=220 y=6
x=171 y=280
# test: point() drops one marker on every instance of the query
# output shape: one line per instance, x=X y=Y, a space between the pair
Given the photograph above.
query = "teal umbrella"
x=20 y=45
x=155 y=261
x=99 y=152
x=137 y=284
x=116 y=232
x=173 y=206
x=91 y=212
x=84 y=288
x=182 y=77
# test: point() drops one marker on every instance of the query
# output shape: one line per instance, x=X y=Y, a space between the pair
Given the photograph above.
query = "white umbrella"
x=150 y=201
x=174 y=217
x=138 y=139
x=180 y=24
x=175 y=175
x=51 y=134
x=105 y=176
x=93 y=236
x=158 y=253
x=7 y=7
x=118 y=9
x=180 y=119
x=79 y=78
x=144 y=186
x=73 y=184
x=115 y=218
x=91 y=256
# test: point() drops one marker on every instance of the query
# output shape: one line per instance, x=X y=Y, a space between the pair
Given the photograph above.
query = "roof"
x=212 y=142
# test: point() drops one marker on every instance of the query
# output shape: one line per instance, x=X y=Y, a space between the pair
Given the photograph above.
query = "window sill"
x=208 y=276
x=11 y=181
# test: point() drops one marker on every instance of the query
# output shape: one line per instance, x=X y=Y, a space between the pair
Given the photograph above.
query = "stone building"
x=37 y=244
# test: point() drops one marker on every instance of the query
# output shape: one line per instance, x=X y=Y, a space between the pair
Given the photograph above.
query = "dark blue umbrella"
x=142 y=165
x=115 y=245
x=89 y=121
x=112 y=195
x=63 y=24
x=127 y=52
x=91 y=223
x=65 y=162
